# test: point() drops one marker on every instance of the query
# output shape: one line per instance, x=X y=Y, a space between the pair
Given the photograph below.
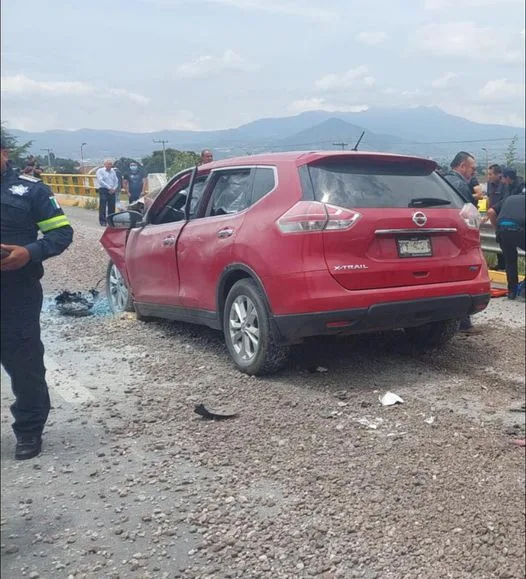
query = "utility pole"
x=82 y=157
x=487 y=159
x=49 y=151
x=164 y=151
x=342 y=145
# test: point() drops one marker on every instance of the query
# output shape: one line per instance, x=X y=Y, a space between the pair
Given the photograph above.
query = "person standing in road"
x=509 y=218
x=512 y=182
x=28 y=206
x=135 y=182
x=462 y=171
x=108 y=186
x=206 y=157
x=496 y=192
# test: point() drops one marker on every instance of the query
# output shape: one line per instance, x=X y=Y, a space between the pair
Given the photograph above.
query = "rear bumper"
x=383 y=316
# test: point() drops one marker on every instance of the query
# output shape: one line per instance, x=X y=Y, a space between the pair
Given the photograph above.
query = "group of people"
x=506 y=193
x=110 y=183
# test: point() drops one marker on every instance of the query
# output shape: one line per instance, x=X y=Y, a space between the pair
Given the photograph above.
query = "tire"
x=248 y=333
x=117 y=292
x=432 y=336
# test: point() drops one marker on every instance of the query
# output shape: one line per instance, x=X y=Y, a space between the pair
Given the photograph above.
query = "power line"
x=342 y=145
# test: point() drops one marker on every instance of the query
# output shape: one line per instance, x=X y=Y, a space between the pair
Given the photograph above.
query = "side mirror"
x=124 y=219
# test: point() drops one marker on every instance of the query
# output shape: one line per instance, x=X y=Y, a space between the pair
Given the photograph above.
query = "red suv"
x=273 y=249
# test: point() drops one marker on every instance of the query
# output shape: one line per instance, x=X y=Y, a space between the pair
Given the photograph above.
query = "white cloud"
x=446 y=4
x=209 y=65
x=404 y=93
x=467 y=40
x=371 y=38
x=444 y=81
x=320 y=104
x=23 y=86
x=305 y=9
x=354 y=77
x=501 y=90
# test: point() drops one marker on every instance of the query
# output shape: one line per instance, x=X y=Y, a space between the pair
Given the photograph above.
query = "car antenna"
x=355 y=148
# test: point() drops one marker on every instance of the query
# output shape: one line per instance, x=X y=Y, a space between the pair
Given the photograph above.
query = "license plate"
x=414 y=247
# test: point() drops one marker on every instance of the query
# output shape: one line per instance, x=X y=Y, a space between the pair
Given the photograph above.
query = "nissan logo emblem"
x=419 y=218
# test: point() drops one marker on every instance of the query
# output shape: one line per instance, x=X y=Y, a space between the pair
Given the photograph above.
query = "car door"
x=151 y=256
x=205 y=245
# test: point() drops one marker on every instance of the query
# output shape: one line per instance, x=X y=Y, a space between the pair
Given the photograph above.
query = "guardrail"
x=84 y=185
x=488 y=240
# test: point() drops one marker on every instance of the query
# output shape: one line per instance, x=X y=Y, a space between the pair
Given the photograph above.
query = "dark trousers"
x=510 y=240
x=134 y=195
x=22 y=353
x=106 y=205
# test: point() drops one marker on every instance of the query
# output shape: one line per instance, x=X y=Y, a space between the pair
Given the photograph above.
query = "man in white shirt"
x=108 y=184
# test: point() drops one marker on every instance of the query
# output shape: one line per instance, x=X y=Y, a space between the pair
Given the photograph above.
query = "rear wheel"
x=248 y=335
x=432 y=336
x=119 y=298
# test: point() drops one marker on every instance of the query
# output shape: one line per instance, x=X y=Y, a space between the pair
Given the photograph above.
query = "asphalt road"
x=313 y=479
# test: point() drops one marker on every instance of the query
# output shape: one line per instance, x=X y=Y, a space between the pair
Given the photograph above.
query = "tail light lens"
x=309 y=216
x=471 y=216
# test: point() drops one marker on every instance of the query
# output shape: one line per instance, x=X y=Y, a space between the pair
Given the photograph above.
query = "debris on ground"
x=213 y=414
x=430 y=420
x=519 y=442
x=373 y=423
x=519 y=409
x=390 y=399
x=75 y=303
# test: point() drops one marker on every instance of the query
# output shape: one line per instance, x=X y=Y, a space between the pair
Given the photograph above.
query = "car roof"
x=305 y=157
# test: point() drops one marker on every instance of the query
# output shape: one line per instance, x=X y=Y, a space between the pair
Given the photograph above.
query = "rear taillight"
x=309 y=216
x=471 y=216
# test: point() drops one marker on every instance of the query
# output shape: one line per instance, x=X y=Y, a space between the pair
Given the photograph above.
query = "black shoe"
x=512 y=295
x=28 y=446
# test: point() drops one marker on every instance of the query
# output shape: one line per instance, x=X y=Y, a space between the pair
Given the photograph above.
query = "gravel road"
x=313 y=479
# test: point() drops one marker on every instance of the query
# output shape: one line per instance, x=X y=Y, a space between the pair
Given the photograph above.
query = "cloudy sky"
x=145 y=65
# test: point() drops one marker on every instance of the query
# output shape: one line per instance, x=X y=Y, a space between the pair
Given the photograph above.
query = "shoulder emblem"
x=19 y=189
x=30 y=178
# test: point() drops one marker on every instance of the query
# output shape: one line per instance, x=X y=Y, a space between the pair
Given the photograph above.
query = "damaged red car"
x=274 y=249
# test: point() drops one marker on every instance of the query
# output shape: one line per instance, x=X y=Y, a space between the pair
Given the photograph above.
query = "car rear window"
x=374 y=184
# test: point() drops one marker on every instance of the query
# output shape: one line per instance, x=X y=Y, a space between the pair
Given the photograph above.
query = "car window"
x=174 y=210
x=264 y=182
x=374 y=184
x=231 y=192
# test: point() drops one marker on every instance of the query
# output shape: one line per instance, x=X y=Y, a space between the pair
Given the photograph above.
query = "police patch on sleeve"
x=54 y=202
x=19 y=189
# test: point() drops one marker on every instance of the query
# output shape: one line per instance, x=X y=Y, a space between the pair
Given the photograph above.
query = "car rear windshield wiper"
x=428 y=202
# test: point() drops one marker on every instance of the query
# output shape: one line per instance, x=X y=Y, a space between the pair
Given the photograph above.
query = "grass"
x=491 y=260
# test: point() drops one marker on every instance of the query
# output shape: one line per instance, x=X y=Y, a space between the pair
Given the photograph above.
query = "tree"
x=17 y=153
x=175 y=161
x=511 y=152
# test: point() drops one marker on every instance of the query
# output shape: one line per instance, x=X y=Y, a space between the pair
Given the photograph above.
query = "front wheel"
x=433 y=335
x=248 y=334
x=119 y=298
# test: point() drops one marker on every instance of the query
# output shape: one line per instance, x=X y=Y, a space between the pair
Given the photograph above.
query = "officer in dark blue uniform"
x=28 y=206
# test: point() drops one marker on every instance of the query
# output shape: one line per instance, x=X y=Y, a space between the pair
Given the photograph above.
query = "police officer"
x=27 y=207
x=509 y=217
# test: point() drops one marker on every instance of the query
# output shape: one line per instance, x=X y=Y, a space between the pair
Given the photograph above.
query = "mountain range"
x=425 y=131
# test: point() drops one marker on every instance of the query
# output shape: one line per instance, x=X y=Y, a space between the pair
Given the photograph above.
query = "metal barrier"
x=488 y=242
x=84 y=185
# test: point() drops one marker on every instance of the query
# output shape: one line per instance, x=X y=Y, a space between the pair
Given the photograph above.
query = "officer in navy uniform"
x=28 y=206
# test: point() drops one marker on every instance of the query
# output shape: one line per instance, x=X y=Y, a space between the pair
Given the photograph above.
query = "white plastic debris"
x=322 y=369
x=373 y=423
x=430 y=420
x=389 y=399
